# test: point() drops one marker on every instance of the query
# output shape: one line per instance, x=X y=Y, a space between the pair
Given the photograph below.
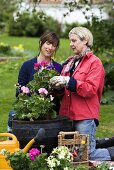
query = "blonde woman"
x=82 y=78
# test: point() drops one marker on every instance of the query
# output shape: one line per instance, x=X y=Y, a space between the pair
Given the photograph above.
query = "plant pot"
x=26 y=130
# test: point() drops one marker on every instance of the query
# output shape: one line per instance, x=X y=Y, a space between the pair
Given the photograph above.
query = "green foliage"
x=18 y=160
x=4 y=48
x=31 y=25
x=53 y=25
x=108 y=97
x=39 y=163
x=7 y=9
x=59 y=159
x=103 y=34
x=108 y=62
x=33 y=107
x=81 y=167
x=31 y=103
x=16 y=51
x=103 y=166
x=109 y=68
x=41 y=79
x=26 y=25
x=68 y=27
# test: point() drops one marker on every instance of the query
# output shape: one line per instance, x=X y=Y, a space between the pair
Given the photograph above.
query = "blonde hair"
x=84 y=34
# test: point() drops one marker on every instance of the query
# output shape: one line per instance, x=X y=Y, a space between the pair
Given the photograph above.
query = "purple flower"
x=43 y=91
x=50 y=67
x=25 y=89
x=57 y=68
x=33 y=153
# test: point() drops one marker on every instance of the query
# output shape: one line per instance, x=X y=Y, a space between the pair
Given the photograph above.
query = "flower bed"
x=59 y=159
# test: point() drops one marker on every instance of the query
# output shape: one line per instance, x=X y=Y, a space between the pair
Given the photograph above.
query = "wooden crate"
x=76 y=142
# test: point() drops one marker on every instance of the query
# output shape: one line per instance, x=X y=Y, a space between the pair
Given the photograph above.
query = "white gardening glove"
x=58 y=82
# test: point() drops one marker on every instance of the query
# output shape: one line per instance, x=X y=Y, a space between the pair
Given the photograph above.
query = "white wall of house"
x=76 y=16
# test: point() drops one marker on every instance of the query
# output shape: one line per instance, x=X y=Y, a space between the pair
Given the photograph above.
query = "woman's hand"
x=58 y=82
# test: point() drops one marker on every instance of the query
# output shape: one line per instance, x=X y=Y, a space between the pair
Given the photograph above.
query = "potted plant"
x=35 y=100
x=34 y=109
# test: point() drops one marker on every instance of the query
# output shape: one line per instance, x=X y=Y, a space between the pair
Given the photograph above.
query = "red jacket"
x=85 y=102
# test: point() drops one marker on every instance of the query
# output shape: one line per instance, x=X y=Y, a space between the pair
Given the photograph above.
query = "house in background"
x=56 y=9
x=62 y=1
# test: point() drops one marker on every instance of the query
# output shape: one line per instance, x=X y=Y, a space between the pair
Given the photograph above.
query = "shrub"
x=32 y=25
x=4 y=48
x=103 y=33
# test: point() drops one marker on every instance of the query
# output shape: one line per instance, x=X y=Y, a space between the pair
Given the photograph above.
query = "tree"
x=7 y=9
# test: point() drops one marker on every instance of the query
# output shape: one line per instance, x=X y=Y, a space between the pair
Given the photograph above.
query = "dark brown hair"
x=51 y=37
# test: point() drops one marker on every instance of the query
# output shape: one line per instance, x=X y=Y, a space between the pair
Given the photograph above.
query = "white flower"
x=51 y=161
x=51 y=97
x=66 y=168
x=58 y=163
x=3 y=151
x=61 y=155
x=58 y=156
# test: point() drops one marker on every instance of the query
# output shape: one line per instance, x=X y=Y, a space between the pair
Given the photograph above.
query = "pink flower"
x=33 y=153
x=32 y=158
x=43 y=91
x=44 y=63
x=25 y=89
x=38 y=65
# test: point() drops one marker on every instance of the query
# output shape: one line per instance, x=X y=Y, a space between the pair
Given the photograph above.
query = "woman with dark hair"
x=48 y=44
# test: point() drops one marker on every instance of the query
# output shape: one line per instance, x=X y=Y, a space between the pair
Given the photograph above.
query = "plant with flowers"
x=4 y=48
x=7 y=50
x=35 y=100
x=59 y=159
x=18 y=50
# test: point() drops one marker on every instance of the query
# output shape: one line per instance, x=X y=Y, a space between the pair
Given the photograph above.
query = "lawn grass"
x=106 y=125
x=8 y=78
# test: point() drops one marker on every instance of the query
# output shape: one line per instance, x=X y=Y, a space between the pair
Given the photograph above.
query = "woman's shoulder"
x=57 y=63
x=57 y=66
x=30 y=62
x=93 y=57
x=67 y=60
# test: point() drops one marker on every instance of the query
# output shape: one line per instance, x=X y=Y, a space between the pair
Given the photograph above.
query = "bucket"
x=26 y=130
